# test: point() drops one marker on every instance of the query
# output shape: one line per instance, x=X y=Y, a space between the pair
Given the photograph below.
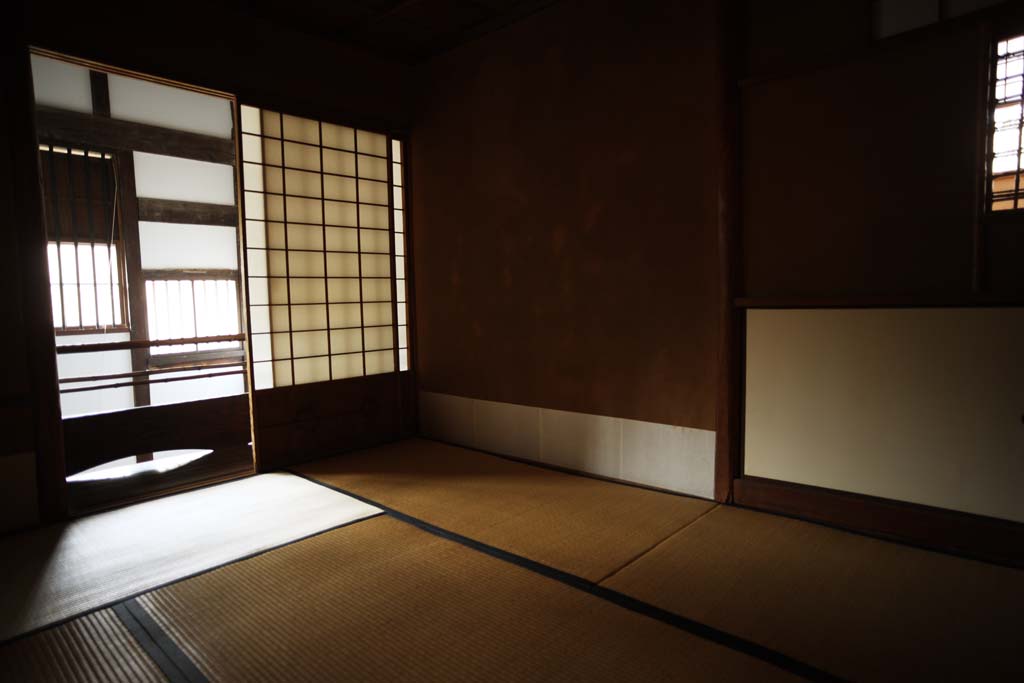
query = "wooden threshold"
x=990 y=539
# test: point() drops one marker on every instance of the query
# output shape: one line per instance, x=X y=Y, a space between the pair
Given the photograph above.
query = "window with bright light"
x=85 y=286
x=84 y=240
x=179 y=309
x=1006 y=192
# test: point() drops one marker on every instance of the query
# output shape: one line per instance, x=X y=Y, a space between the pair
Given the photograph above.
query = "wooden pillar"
x=728 y=427
x=23 y=219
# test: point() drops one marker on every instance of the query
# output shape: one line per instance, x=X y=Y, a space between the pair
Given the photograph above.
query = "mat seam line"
x=695 y=628
x=651 y=549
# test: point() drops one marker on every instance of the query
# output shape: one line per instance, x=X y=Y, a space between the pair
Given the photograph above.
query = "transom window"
x=1006 y=161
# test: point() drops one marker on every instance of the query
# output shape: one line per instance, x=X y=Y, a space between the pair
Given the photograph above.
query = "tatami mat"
x=384 y=601
x=94 y=648
x=583 y=526
x=54 y=573
x=857 y=607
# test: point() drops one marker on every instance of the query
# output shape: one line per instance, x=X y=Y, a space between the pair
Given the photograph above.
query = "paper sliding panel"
x=377 y=314
x=309 y=344
x=347 y=341
x=259 y=319
x=376 y=289
x=321 y=236
x=348 y=365
x=344 y=290
x=342 y=239
x=282 y=373
x=261 y=349
x=379 y=338
x=308 y=370
x=263 y=375
x=379 y=362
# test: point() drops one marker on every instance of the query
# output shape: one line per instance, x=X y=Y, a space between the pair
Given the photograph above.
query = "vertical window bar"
x=55 y=222
x=74 y=238
x=87 y=179
x=195 y=315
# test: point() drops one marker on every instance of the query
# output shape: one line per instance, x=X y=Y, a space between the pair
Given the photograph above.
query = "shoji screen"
x=320 y=244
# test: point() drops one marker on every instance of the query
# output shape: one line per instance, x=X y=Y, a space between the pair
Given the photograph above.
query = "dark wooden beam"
x=197 y=358
x=190 y=274
x=987 y=538
x=193 y=213
x=145 y=344
x=97 y=132
x=22 y=210
x=92 y=440
x=150 y=372
x=884 y=301
x=100 y=94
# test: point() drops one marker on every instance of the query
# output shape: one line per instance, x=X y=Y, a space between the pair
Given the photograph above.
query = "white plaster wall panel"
x=673 y=458
x=919 y=405
x=445 y=417
x=90 y=364
x=669 y=457
x=164 y=177
x=182 y=391
x=506 y=428
x=134 y=99
x=171 y=245
x=61 y=85
x=588 y=443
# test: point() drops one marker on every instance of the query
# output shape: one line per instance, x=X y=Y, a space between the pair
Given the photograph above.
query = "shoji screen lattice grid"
x=319 y=249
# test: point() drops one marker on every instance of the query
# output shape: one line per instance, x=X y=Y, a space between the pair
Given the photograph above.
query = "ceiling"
x=404 y=30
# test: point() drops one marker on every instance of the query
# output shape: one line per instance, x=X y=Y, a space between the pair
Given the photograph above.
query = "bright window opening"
x=179 y=309
x=1006 y=160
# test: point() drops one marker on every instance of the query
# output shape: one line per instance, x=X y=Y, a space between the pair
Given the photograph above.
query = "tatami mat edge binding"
x=696 y=628
x=164 y=652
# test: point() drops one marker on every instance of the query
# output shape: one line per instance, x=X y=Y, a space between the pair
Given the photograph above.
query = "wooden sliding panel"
x=318 y=230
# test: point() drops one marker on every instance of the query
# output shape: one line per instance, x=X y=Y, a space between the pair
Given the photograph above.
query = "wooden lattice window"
x=85 y=253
